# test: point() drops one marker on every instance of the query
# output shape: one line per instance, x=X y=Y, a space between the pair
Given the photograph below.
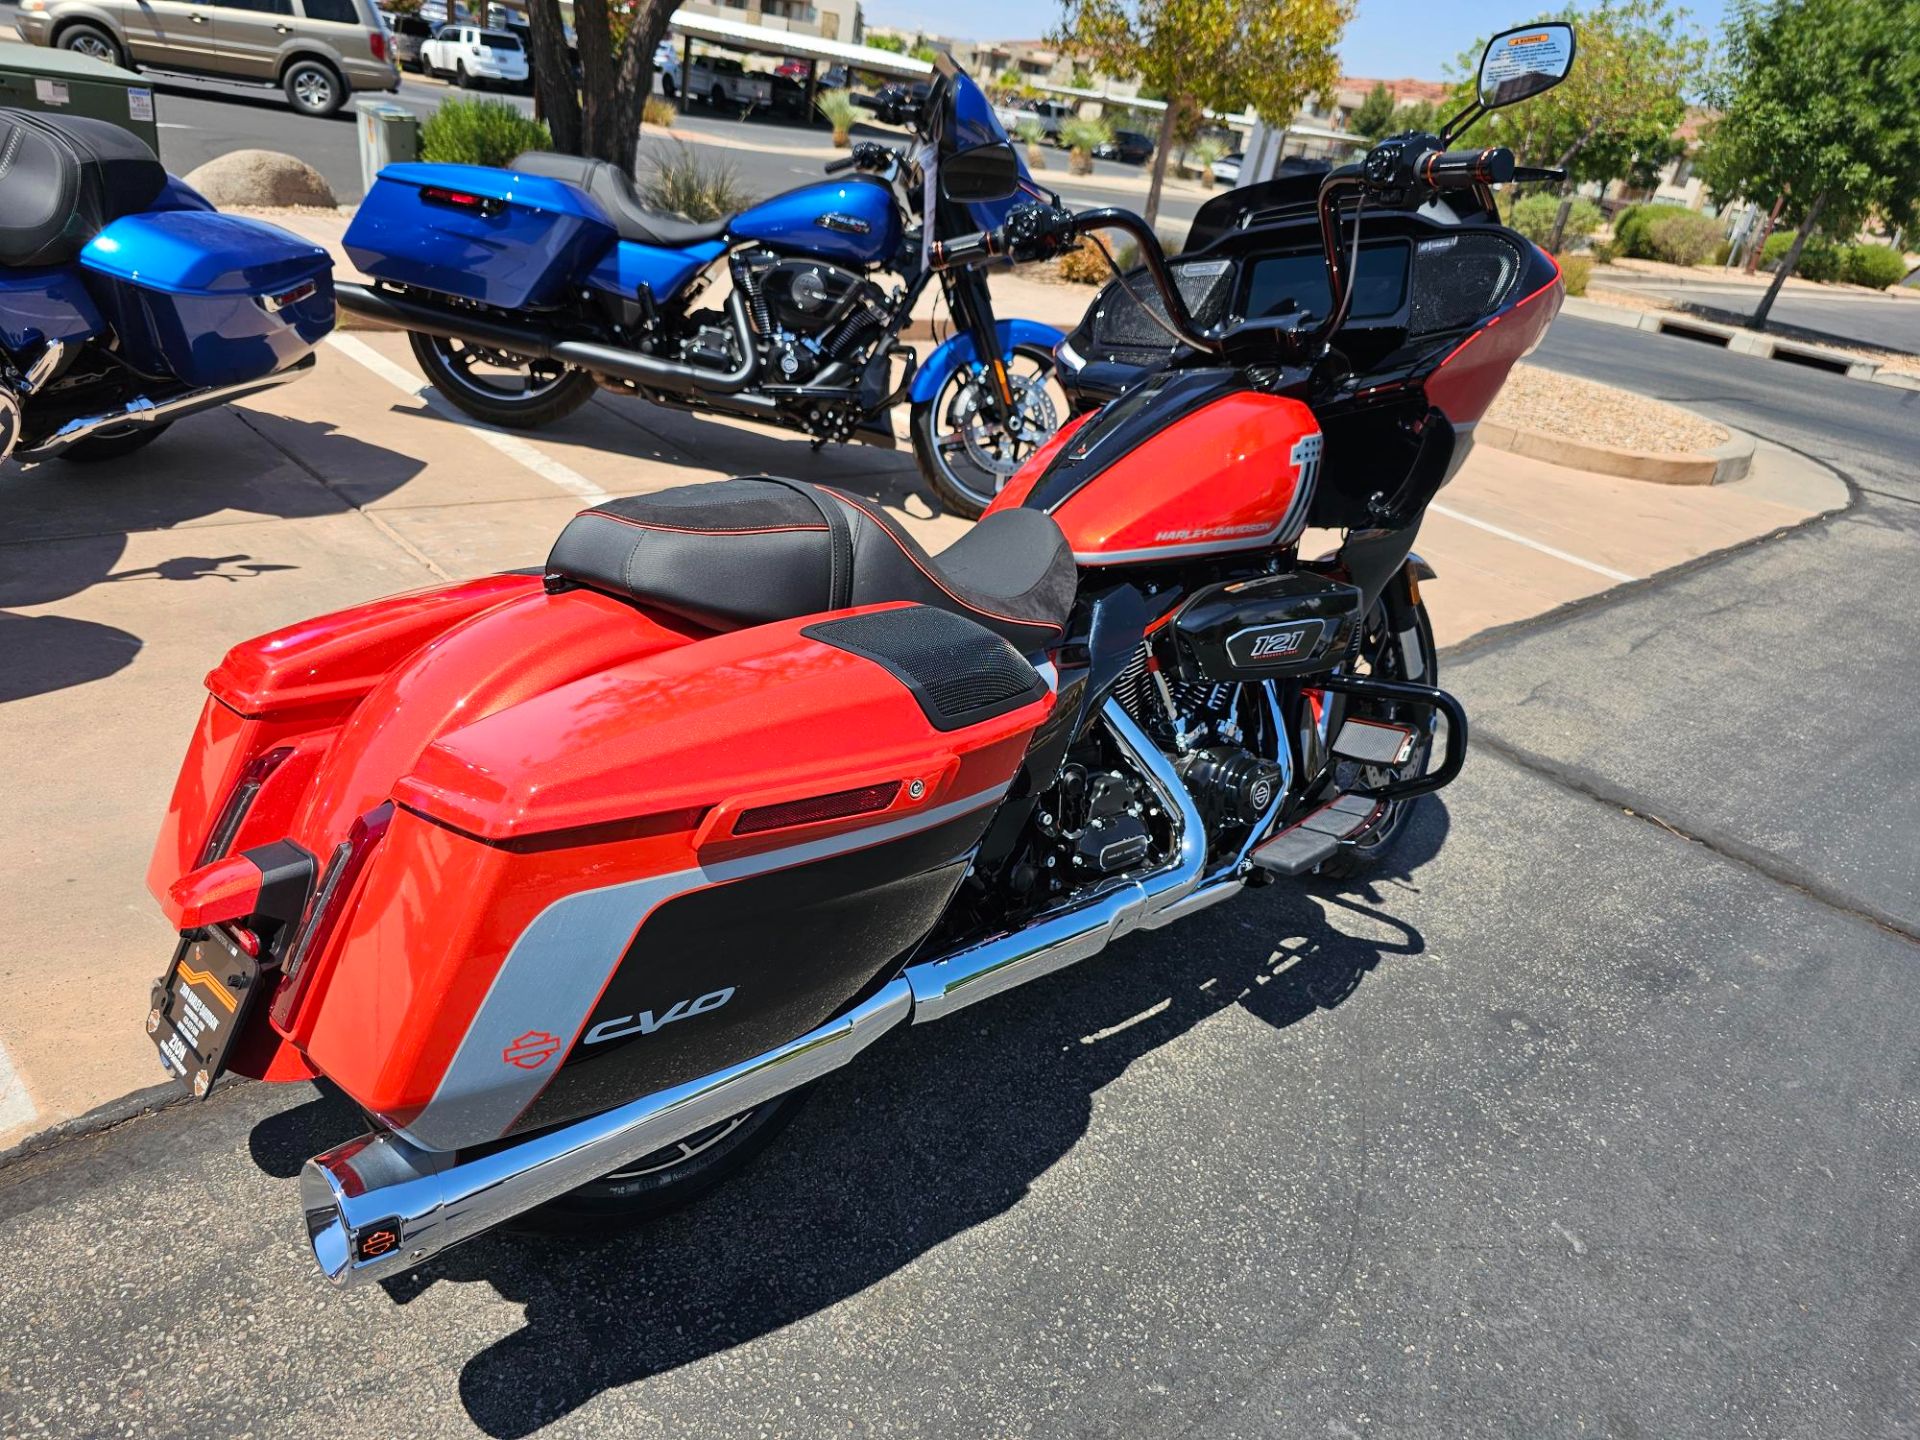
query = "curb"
x=1741 y=341
x=1719 y=466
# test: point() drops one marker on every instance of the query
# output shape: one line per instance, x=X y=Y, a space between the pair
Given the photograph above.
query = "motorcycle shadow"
x=870 y=1176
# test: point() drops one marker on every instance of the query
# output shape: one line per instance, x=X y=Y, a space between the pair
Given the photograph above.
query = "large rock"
x=262 y=177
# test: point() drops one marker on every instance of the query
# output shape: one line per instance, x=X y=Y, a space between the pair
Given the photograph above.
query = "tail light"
x=241 y=801
x=377 y=43
x=486 y=205
x=329 y=905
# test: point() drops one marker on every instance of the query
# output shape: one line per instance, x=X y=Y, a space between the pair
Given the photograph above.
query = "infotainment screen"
x=1302 y=278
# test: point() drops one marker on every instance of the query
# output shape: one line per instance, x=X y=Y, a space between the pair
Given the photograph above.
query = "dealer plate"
x=199 y=1007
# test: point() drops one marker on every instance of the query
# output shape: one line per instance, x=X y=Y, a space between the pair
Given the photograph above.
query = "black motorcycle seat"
x=62 y=179
x=748 y=551
x=613 y=188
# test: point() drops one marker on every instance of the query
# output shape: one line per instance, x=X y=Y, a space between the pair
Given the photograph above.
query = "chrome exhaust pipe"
x=955 y=981
x=142 y=411
x=378 y=1205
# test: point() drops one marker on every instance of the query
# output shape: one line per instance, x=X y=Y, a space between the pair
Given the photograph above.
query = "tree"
x=1374 y=118
x=1634 y=63
x=616 y=39
x=897 y=44
x=1820 y=103
x=1270 y=54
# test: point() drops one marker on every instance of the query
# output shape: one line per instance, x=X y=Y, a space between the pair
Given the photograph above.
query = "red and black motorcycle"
x=573 y=879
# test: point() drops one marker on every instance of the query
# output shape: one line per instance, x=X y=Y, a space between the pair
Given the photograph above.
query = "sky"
x=1388 y=39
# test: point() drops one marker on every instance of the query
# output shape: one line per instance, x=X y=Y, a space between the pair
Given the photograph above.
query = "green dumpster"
x=59 y=82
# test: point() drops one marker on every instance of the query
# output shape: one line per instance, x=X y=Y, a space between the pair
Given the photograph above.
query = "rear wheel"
x=92 y=42
x=313 y=88
x=501 y=388
x=671 y=1176
x=968 y=458
x=1386 y=655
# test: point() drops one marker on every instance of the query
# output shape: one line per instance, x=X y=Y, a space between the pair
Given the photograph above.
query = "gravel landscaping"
x=1536 y=399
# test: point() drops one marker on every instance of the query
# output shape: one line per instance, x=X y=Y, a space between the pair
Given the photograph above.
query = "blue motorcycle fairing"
x=853 y=219
x=494 y=236
x=630 y=265
x=960 y=350
x=44 y=304
x=210 y=299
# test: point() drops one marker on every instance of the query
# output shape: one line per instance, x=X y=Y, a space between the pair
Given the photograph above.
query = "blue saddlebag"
x=480 y=234
x=211 y=299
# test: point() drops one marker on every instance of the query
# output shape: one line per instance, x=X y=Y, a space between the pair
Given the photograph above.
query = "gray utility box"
x=59 y=82
x=389 y=134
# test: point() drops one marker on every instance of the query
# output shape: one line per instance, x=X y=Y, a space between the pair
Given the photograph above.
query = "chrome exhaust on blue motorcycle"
x=379 y=1205
x=142 y=411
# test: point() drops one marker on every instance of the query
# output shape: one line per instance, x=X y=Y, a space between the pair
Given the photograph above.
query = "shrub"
x=658 y=111
x=480 y=132
x=1723 y=252
x=839 y=111
x=1081 y=136
x=1533 y=217
x=1682 y=237
x=1819 y=261
x=1875 y=266
x=679 y=180
x=1574 y=271
x=1630 y=232
x=1603 y=252
x=1083 y=265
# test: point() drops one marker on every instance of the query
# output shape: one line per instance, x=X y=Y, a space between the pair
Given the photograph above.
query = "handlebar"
x=866 y=155
x=1464 y=169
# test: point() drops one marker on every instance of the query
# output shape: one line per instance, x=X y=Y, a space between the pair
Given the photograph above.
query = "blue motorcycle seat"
x=612 y=188
x=62 y=178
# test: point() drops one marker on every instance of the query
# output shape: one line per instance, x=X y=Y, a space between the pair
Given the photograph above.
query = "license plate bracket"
x=200 y=1006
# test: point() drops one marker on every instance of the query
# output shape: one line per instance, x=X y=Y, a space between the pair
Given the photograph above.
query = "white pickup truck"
x=469 y=55
x=723 y=81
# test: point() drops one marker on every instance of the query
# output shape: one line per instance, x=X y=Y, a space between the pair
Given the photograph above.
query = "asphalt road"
x=1892 y=321
x=1598 y=1115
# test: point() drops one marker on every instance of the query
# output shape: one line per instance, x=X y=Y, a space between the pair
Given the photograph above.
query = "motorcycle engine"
x=808 y=313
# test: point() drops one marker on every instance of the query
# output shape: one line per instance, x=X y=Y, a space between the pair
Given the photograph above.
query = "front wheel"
x=670 y=1177
x=968 y=457
x=499 y=388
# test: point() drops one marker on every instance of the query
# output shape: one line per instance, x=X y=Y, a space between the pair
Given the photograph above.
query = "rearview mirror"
x=1520 y=64
x=980 y=175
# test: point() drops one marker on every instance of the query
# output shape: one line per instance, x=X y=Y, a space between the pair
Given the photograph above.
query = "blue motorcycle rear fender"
x=960 y=350
x=489 y=235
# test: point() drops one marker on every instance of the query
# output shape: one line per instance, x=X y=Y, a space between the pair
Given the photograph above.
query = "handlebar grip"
x=962 y=248
x=834 y=167
x=1463 y=169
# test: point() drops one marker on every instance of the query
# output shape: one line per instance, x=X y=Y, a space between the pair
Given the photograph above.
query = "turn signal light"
x=840 y=805
x=323 y=917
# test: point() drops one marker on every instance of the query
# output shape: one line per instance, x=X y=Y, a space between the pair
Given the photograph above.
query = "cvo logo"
x=531 y=1050
x=1279 y=643
x=646 y=1022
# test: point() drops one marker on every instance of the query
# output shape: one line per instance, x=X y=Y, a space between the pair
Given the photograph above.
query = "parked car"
x=407 y=34
x=316 y=51
x=1227 y=168
x=1128 y=145
x=470 y=56
x=723 y=82
x=666 y=67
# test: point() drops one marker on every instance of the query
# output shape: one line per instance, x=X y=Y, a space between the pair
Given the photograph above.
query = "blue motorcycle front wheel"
x=499 y=388
x=968 y=452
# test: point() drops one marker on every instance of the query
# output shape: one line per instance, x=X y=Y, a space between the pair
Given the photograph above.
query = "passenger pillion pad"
x=749 y=551
x=62 y=179
x=612 y=187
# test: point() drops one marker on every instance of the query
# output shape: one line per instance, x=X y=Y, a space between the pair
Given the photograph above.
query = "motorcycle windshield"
x=970 y=121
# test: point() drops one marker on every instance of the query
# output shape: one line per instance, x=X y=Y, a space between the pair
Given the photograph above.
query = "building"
x=829 y=19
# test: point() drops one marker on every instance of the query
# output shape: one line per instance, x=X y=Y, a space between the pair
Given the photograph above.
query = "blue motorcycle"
x=127 y=301
x=526 y=289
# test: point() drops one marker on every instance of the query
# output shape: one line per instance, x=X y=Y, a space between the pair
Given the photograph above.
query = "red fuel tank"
x=1190 y=463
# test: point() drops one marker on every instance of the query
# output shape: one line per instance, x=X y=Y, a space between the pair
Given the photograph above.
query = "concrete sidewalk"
x=122 y=584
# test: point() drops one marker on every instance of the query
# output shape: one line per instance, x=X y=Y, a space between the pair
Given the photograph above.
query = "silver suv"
x=318 y=51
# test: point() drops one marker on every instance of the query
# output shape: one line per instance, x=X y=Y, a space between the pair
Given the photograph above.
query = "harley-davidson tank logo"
x=1211 y=532
x=646 y=1022
x=531 y=1050
x=845 y=224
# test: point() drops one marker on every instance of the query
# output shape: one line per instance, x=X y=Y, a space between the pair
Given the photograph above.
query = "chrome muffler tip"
x=372 y=1207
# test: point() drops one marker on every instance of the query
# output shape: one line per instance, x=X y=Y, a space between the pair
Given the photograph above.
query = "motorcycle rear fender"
x=758 y=812
x=960 y=350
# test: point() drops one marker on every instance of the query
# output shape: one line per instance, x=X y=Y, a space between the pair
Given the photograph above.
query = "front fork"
x=972 y=307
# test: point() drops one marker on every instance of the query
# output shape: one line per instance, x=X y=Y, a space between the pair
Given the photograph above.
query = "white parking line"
x=16 y=1107
x=565 y=477
x=1610 y=573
